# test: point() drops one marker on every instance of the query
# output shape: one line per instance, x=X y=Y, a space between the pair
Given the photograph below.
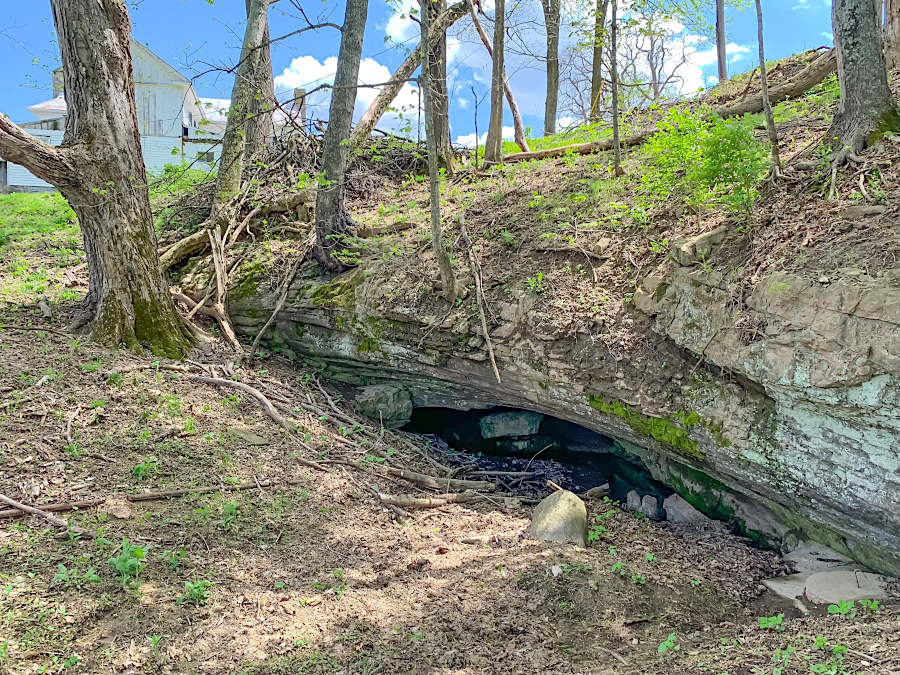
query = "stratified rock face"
x=779 y=416
x=386 y=404
x=514 y=424
x=560 y=517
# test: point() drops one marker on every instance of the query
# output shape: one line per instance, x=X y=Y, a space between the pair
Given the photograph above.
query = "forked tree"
x=99 y=169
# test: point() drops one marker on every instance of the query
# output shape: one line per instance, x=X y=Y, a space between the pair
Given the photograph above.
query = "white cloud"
x=468 y=141
x=712 y=81
x=463 y=103
x=307 y=72
x=401 y=27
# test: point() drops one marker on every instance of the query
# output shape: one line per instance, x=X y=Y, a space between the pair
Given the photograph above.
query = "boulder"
x=831 y=587
x=633 y=501
x=560 y=517
x=386 y=404
x=650 y=507
x=598 y=492
x=513 y=423
x=679 y=511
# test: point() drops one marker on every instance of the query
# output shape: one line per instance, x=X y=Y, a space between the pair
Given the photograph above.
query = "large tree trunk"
x=448 y=279
x=231 y=164
x=721 y=41
x=493 y=144
x=892 y=33
x=389 y=92
x=597 y=62
x=866 y=110
x=260 y=128
x=99 y=169
x=332 y=221
x=518 y=128
x=437 y=77
x=764 y=85
x=551 y=23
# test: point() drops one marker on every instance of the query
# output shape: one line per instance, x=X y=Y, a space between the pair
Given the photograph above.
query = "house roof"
x=57 y=105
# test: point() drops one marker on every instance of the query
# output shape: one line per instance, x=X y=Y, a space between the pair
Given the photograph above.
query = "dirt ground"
x=310 y=574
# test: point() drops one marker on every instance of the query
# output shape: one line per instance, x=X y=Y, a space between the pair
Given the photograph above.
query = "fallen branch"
x=59 y=506
x=430 y=502
x=285 y=287
x=476 y=272
x=265 y=403
x=165 y=494
x=440 y=483
x=41 y=328
x=59 y=522
x=806 y=79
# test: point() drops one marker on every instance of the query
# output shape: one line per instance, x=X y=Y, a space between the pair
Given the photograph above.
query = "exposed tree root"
x=476 y=272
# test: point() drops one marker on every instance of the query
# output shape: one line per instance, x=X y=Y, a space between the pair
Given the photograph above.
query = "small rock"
x=598 y=492
x=650 y=507
x=517 y=423
x=633 y=501
x=689 y=251
x=118 y=508
x=601 y=246
x=387 y=404
x=556 y=570
x=248 y=436
x=679 y=511
x=560 y=517
x=824 y=280
x=860 y=211
x=833 y=586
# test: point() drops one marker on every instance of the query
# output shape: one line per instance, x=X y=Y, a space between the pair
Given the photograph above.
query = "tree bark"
x=614 y=76
x=551 y=23
x=518 y=129
x=597 y=62
x=892 y=33
x=389 y=92
x=261 y=103
x=99 y=169
x=437 y=76
x=764 y=85
x=866 y=110
x=231 y=164
x=721 y=41
x=332 y=220
x=493 y=145
x=448 y=279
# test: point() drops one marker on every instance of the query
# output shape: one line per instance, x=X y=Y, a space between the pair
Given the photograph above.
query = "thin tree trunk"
x=389 y=92
x=231 y=164
x=261 y=103
x=551 y=22
x=332 y=221
x=866 y=110
x=613 y=69
x=448 y=279
x=518 y=128
x=767 y=105
x=892 y=33
x=597 y=63
x=99 y=169
x=721 y=41
x=493 y=145
x=438 y=78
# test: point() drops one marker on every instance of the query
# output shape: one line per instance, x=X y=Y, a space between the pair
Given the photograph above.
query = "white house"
x=175 y=124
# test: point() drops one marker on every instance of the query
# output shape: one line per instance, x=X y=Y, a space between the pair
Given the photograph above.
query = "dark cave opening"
x=501 y=439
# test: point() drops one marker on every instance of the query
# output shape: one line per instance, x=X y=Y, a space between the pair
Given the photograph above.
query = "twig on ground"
x=165 y=494
x=618 y=657
x=59 y=506
x=59 y=522
x=72 y=419
x=41 y=328
x=439 y=483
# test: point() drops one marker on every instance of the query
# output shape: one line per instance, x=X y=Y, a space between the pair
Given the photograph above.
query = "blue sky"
x=194 y=34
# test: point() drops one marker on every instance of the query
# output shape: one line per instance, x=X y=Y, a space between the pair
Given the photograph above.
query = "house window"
x=208 y=157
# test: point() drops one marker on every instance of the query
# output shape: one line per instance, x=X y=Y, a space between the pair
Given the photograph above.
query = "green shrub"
x=703 y=160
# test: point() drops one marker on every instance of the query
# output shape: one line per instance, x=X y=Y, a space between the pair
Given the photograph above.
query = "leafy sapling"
x=668 y=645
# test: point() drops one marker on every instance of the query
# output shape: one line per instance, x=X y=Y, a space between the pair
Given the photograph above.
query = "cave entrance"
x=513 y=440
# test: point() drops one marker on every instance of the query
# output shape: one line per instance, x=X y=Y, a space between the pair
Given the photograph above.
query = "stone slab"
x=824 y=588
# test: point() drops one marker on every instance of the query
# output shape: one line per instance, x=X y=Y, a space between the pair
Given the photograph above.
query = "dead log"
x=796 y=86
x=430 y=502
x=446 y=484
x=165 y=494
